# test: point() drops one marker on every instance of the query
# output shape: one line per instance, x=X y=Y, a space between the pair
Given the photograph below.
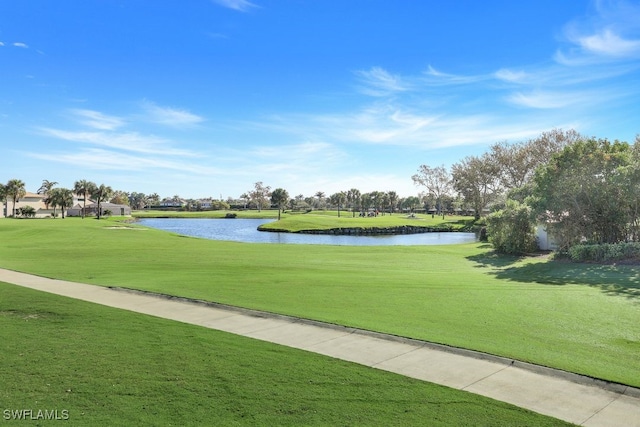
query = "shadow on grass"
x=619 y=280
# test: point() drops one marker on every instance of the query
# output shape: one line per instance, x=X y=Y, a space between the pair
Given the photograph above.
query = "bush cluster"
x=511 y=230
x=605 y=252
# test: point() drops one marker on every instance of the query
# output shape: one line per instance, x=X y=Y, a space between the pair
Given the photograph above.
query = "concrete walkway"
x=570 y=397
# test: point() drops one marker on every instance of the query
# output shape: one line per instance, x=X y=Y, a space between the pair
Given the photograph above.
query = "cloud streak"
x=239 y=5
x=125 y=141
x=98 y=120
x=172 y=117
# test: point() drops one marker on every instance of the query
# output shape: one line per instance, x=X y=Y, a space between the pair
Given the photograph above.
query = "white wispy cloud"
x=544 y=100
x=239 y=5
x=97 y=158
x=511 y=76
x=436 y=77
x=98 y=120
x=21 y=45
x=1 y=43
x=379 y=82
x=611 y=32
x=126 y=141
x=608 y=43
x=170 y=116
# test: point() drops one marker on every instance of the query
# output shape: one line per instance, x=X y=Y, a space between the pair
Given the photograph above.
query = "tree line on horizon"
x=580 y=188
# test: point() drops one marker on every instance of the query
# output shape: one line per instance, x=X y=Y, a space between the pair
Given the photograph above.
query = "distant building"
x=36 y=201
x=173 y=202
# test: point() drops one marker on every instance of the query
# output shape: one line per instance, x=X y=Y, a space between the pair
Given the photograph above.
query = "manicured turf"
x=102 y=366
x=329 y=220
x=581 y=318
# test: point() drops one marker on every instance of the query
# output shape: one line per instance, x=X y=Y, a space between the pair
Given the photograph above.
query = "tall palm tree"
x=353 y=198
x=393 y=200
x=15 y=189
x=83 y=188
x=61 y=197
x=101 y=193
x=3 y=194
x=44 y=189
x=320 y=195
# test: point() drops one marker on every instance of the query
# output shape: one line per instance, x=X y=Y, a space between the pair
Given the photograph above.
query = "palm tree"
x=3 y=194
x=15 y=188
x=393 y=200
x=320 y=195
x=61 y=197
x=83 y=188
x=338 y=199
x=353 y=198
x=100 y=194
x=44 y=189
x=279 y=197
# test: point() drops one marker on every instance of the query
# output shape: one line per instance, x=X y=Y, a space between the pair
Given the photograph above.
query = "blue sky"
x=203 y=98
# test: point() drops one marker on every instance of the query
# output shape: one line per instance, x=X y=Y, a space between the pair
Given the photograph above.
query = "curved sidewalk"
x=570 y=397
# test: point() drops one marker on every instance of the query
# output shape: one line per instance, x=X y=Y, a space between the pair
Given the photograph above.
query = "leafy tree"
x=518 y=162
x=260 y=194
x=120 y=198
x=138 y=200
x=15 y=189
x=410 y=203
x=366 y=201
x=476 y=179
x=512 y=229
x=44 y=189
x=84 y=188
x=62 y=198
x=101 y=193
x=437 y=181
x=377 y=199
x=279 y=197
x=153 y=199
x=588 y=191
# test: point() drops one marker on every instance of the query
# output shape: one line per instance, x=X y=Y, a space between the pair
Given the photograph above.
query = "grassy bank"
x=324 y=221
x=577 y=317
x=104 y=366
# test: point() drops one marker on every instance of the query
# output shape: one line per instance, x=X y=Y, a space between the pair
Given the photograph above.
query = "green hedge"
x=605 y=252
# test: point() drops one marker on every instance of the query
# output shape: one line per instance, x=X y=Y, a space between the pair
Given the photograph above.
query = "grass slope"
x=581 y=318
x=324 y=221
x=104 y=366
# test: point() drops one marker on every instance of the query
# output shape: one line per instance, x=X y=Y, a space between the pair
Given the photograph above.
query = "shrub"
x=606 y=252
x=28 y=212
x=511 y=230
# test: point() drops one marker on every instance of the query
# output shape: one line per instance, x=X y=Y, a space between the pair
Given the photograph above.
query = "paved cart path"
x=577 y=399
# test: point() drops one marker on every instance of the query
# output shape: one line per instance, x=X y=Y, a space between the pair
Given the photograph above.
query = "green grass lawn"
x=329 y=220
x=103 y=366
x=577 y=317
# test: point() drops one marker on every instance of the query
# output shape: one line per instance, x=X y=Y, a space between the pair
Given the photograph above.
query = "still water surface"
x=246 y=230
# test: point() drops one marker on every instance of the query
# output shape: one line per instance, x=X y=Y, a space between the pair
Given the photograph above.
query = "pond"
x=246 y=230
